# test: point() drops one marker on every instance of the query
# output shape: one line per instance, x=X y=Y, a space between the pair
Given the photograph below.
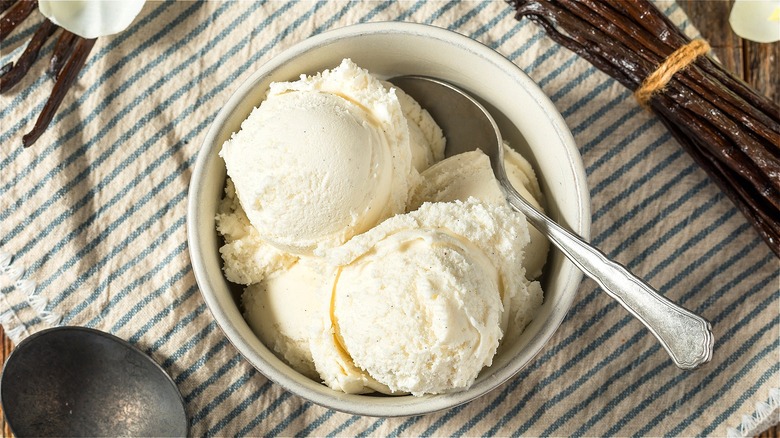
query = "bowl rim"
x=351 y=403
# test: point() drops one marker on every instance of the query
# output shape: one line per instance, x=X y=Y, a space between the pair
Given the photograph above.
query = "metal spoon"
x=467 y=125
x=76 y=381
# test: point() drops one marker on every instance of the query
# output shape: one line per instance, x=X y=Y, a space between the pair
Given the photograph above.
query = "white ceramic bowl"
x=528 y=120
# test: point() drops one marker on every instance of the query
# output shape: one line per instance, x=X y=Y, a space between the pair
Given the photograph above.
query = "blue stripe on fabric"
x=463 y=19
x=370 y=429
x=439 y=12
x=751 y=391
x=124 y=319
x=510 y=33
x=409 y=12
x=598 y=315
x=557 y=72
x=721 y=367
x=569 y=86
x=638 y=382
x=200 y=415
x=592 y=346
x=203 y=359
x=377 y=9
x=621 y=145
x=659 y=193
x=164 y=312
x=586 y=99
x=277 y=431
x=93 y=60
x=182 y=322
x=187 y=346
x=403 y=426
x=78 y=153
x=634 y=161
x=311 y=427
x=493 y=22
x=135 y=284
x=609 y=130
x=526 y=45
x=245 y=404
x=213 y=377
x=96 y=267
x=343 y=426
x=20 y=35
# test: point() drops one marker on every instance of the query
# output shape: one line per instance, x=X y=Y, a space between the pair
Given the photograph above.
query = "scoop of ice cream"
x=246 y=258
x=322 y=159
x=281 y=309
x=469 y=174
x=418 y=302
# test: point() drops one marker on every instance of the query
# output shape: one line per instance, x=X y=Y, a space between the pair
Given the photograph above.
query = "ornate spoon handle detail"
x=686 y=336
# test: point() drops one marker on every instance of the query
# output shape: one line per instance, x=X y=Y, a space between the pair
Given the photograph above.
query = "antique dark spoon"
x=77 y=381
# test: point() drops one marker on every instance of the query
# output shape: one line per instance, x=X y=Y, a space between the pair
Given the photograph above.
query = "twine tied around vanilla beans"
x=676 y=61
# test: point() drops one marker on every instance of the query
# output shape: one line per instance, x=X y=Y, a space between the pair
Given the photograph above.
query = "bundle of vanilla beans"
x=730 y=130
x=70 y=54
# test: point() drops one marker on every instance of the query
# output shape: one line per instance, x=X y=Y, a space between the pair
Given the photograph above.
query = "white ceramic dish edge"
x=202 y=195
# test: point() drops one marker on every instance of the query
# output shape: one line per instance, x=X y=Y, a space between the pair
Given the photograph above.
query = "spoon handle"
x=686 y=336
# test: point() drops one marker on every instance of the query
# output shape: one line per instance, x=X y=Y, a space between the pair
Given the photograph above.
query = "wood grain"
x=756 y=63
x=5 y=350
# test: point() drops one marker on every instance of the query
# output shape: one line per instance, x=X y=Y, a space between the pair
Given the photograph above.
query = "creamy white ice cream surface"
x=420 y=302
x=322 y=159
x=343 y=284
x=469 y=174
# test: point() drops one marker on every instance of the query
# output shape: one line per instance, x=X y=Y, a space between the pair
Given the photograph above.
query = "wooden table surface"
x=756 y=63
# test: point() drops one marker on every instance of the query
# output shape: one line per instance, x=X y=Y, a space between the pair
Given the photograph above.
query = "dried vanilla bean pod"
x=747 y=199
x=719 y=146
x=609 y=21
x=590 y=42
x=15 y=74
x=69 y=74
x=739 y=138
x=5 y=4
x=62 y=51
x=637 y=41
x=645 y=15
x=730 y=130
x=15 y=15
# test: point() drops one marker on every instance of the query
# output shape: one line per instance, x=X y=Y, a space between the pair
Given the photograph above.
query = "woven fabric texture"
x=92 y=231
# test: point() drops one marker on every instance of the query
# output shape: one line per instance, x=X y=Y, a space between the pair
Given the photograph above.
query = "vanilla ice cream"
x=281 y=309
x=420 y=302
x=371 y=262
x=322 y=159
x=469 y=174
x=247 y=259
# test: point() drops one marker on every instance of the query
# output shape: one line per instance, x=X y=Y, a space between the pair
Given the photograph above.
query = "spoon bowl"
x=467 y=125
x=76 y=381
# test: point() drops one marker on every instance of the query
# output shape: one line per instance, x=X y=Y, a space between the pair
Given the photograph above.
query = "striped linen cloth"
x=93 y=232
